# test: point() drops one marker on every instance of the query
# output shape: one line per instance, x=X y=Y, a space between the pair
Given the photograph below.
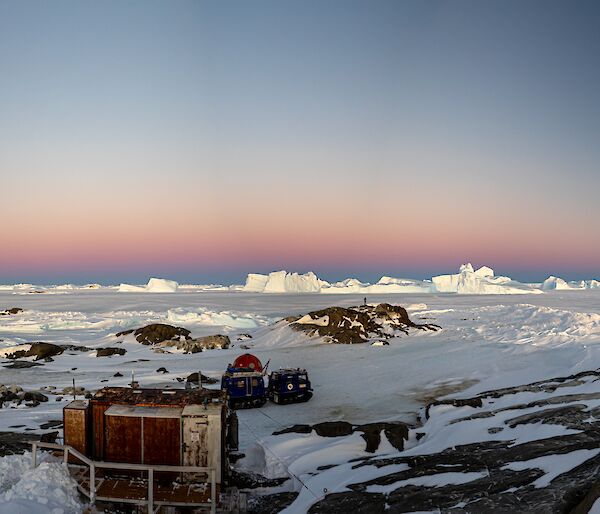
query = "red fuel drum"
x=248 y=360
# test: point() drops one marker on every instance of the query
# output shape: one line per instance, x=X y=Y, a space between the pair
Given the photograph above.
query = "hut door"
x=194 y=439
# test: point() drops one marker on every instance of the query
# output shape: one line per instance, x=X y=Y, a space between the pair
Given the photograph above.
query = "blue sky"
x=259 y=135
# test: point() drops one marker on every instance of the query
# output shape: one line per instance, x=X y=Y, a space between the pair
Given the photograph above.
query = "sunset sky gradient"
x=202 y=140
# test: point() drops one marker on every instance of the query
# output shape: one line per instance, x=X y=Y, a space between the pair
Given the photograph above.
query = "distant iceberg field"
x=468 y=280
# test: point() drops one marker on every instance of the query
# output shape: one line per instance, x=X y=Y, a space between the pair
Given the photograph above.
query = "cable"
x=272 y=419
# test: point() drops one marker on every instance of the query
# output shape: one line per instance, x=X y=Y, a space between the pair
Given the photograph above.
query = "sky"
x=201 y=140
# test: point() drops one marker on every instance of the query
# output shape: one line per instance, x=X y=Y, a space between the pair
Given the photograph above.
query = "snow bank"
x=48 y=488
x=154 y=285
x=482 y=281
x=283 y=282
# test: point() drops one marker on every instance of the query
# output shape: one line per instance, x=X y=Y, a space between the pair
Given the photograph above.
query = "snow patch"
x=48 y=488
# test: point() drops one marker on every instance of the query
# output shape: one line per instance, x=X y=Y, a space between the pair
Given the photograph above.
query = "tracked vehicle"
x=289 y=386
x=244 y=383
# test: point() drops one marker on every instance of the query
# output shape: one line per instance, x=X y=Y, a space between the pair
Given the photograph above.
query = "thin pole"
x=74 y=395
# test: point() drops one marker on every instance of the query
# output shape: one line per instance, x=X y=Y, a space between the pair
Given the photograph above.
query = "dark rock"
x=33 y=403
x=109 y=351
x=157 y=333
x=22 y=365
x=37 y=350
x=214 y=342
x=357 y=324
x=53 y=423
x=163 y=370
x=333 y=428
x=193 y=378
x=569 y=416
x=356 y=503
x=7 y=396
x=467 y=402
x=396 y=434
x=35 y=396
x=88 y=396
x=75 y=348
x=117 y=374
x=49 y=437
x=48 y=359
x=271 y=503
x=15 y=442
x=243 y=480
x=242 y=337
x=295 y=429
x=12 y=311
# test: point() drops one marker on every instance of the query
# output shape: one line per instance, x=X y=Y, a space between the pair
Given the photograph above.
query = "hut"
x=169 y=427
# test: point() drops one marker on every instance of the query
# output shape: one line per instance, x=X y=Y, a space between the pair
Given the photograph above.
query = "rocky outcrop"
x=193 y=379
x=396 y=432
x=37 y=350
x=511 y=463
x=357 y=324
x=12 y=311
x=215 y=342
x=157 y=333
x=109 y=351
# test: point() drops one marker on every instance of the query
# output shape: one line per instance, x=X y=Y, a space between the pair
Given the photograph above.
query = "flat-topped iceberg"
x=284 y=282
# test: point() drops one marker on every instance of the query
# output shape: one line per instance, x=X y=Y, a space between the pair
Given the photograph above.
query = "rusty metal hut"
x=170 y=427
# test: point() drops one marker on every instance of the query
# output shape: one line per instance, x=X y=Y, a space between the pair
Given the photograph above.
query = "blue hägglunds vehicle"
x=244 y=383
x=289 y=386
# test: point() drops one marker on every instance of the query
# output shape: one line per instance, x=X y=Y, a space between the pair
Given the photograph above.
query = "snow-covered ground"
x=487 y=341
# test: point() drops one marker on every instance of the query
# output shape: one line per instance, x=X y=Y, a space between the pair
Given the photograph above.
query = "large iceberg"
x=481 y=281
x=284 y=282
x=154 y=285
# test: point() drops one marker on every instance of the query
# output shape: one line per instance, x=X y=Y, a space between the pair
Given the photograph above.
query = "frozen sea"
x=486 y=341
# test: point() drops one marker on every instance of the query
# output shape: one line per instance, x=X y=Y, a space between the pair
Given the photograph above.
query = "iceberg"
x=553 y=283
x=284 y=282
x=481 y=281
x=154 y=285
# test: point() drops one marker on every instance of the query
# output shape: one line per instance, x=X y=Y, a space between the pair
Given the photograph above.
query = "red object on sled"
x=248 y=360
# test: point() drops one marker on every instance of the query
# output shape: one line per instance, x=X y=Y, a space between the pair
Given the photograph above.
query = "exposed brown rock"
x=157 y=333
x=109 y=351
x=357 y=324
x=13 y=310
x=37 y=350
